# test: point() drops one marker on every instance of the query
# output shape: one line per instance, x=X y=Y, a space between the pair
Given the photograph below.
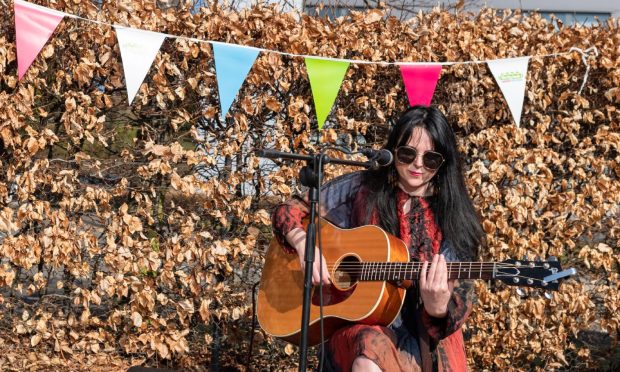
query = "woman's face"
x=414 y=177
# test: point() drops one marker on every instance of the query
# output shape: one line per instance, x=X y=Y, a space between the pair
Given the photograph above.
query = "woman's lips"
x=415 y=174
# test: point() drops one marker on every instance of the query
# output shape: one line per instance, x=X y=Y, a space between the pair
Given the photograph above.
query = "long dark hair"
x=451 y=204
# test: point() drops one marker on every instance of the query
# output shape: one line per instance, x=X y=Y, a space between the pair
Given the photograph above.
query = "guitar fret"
x=459 y=270
x=469 y=273
x=384 y=271
x=375 y=267
x=375 y=273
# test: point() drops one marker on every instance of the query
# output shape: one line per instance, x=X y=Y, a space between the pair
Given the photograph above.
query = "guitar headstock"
x=536 y=274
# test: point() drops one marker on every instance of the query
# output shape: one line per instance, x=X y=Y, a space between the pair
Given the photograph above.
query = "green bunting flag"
x=325 y=80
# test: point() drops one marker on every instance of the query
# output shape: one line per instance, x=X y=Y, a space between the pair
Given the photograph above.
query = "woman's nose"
x=418 y=161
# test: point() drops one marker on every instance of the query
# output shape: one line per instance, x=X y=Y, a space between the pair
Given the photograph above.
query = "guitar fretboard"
x=375 y=271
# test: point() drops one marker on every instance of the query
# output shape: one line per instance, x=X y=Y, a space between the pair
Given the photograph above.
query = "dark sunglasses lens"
x=405 y=155
x=432 y=160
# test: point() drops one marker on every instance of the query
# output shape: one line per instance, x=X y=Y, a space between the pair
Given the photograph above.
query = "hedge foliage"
x=134 y=234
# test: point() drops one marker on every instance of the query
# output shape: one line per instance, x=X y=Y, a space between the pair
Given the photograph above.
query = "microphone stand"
x=309 y=176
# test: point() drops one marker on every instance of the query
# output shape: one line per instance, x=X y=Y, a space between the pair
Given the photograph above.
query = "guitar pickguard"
x=331 y=295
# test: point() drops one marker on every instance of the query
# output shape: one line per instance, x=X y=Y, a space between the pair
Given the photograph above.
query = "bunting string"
x=584 y=53
x=34 y=25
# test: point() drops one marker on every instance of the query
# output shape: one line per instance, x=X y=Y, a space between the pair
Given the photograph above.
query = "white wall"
x=585 y=6
x=579 y=6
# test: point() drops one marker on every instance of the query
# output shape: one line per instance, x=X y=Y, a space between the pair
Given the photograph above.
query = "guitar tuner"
x=548 y=295
x=560 y=275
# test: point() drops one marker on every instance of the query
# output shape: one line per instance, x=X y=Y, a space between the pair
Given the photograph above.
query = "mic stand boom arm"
x=273 y=154
x=309 y=176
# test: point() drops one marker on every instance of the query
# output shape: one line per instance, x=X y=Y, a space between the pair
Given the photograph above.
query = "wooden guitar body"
x=364 y=263
x=346 y=301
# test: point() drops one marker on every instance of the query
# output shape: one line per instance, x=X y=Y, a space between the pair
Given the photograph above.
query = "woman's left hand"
x=435 y=289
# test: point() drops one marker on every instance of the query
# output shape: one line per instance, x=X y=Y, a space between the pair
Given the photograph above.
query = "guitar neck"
x=375 y=271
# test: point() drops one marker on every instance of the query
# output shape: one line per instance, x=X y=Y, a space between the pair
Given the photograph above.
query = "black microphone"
x=378 y=158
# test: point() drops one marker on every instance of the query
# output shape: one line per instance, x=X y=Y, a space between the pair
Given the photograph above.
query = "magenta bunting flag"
x=33 y=27
x=420 y=82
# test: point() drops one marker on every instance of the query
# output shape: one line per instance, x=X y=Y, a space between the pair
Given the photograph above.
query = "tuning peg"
x=520 y=292
x=537 y=259
x=548 y=295
x=552 y=259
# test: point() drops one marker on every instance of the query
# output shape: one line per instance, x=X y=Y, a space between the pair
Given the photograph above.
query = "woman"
x=422 y=199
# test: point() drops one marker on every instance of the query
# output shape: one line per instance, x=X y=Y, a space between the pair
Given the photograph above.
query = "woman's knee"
x=363 y=364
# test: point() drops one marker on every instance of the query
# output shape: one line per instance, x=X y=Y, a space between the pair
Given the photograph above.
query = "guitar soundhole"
x=347 y=273
x=345 y=277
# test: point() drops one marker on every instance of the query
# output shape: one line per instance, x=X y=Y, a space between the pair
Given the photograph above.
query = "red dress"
x=397 y=347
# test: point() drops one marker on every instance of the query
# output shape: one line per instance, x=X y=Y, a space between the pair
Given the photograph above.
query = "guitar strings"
x=451 y=263
x=502 y=274
x=512 y=276
x=415 y=265
x=358 y=268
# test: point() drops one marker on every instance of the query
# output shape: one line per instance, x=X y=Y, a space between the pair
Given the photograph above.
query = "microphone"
x=378 y=158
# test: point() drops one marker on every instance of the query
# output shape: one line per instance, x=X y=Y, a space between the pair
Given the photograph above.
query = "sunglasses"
x=430 y=159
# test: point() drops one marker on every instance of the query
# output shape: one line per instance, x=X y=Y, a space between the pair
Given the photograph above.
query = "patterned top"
x=344 y=204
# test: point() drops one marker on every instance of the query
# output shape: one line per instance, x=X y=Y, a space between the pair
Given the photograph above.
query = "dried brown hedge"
x=134 y=234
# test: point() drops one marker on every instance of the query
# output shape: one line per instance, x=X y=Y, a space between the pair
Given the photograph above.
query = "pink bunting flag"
x=33 y=27
x=420 y=82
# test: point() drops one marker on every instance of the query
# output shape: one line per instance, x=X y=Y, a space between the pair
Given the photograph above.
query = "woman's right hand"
x=297 y=239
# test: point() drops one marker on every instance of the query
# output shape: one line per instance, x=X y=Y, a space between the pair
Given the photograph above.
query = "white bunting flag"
x=138 y=50
x=510 y=74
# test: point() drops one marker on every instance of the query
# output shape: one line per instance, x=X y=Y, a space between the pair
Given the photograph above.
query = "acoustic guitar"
x=366 y=265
